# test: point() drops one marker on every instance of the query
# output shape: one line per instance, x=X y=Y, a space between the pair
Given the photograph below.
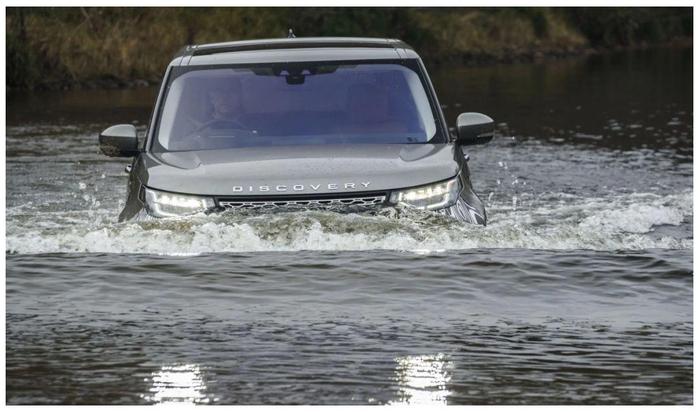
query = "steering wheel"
x=238 y=124
x=199 y=140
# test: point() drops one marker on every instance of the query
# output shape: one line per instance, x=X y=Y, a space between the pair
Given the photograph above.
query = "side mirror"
x=119 y=141
x=474 y=128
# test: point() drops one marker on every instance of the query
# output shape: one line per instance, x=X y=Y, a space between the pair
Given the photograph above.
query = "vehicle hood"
x=300 y=170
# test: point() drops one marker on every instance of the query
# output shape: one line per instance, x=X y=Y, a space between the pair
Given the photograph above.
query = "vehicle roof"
x=294 y=49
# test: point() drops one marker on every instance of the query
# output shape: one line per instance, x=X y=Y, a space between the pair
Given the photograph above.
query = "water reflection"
x=177 y=384
x=423 y=379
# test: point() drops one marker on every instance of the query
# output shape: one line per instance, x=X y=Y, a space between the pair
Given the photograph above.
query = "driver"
x=224 y=112
x=226 y=101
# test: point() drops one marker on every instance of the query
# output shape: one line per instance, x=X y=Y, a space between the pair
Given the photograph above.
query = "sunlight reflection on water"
x=423 y=379
x=177 y=384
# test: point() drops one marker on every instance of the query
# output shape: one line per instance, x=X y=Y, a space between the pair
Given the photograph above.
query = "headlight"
x=429 y=197
x=164 y=204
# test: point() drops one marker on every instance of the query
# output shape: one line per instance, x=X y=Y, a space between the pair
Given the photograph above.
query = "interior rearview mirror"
x=474 y=128
x=119 y=141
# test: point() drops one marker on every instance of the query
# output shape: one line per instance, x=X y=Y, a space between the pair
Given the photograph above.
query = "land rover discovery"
x=341 y=123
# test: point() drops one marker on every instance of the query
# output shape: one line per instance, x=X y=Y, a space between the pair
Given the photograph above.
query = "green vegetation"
x=101 y=47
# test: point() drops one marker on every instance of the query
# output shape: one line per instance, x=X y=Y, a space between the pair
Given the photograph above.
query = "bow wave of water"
x=560 y=222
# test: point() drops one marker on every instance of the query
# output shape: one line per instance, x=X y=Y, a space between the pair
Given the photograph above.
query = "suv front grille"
x=350 y=202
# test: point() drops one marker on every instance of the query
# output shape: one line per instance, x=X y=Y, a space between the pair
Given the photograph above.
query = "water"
x=578 y=291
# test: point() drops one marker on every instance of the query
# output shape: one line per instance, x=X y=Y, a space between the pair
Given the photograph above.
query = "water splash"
x=556 y=221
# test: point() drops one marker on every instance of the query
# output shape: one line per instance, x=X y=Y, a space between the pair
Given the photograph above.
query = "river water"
x=578 y=291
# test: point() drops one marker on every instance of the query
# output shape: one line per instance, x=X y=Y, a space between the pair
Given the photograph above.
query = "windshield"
x=294 y=104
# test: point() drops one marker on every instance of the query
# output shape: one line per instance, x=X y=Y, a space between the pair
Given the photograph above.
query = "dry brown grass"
x=59 y=46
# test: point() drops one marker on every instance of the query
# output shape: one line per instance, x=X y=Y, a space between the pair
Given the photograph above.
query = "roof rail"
x=290 y=43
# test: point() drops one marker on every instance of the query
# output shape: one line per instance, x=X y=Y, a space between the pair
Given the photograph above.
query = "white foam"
x=561 y=222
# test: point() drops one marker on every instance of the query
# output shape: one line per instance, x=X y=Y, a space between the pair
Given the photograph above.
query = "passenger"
x=368 y=105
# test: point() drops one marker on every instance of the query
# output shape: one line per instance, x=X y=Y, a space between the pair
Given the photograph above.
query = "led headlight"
x=164 y=204
x=429 y=197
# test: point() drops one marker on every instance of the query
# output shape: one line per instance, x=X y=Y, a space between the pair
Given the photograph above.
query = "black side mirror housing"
x=119 y=141
x=474 y=128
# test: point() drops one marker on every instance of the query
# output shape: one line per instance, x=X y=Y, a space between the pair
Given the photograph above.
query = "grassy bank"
x=117 y=47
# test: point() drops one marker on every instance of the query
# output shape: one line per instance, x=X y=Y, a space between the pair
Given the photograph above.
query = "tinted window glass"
x=305 y=103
